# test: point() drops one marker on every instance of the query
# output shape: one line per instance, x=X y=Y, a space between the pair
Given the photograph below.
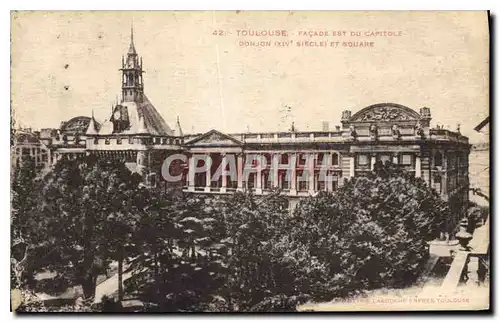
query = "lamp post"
x=463 y=236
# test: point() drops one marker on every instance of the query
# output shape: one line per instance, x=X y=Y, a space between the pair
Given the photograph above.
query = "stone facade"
x=137 y=134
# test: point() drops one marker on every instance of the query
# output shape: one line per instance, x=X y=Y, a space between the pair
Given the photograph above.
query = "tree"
x=177 y=264
x=25 y=221
x=372 y=232
x=78 y=205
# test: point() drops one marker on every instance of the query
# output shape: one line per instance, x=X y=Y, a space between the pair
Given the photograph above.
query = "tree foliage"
x=80 y=220
x=239 y=252
x=373 y=231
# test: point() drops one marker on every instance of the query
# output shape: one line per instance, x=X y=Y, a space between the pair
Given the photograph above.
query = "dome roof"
x=78 y=124
x=25 y=137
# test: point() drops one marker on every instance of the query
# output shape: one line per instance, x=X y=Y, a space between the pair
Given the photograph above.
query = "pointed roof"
x=154 y=122
x=131 y=49
x=214 y=138
x=92 y=129
x=143 y=118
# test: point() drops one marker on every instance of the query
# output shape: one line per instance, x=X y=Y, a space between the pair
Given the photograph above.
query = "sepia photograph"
x=249 y=161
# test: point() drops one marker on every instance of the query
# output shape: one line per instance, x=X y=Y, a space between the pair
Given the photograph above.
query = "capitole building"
x=136 y=133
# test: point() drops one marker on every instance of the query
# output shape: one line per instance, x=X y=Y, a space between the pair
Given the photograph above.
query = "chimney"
x=325 y=126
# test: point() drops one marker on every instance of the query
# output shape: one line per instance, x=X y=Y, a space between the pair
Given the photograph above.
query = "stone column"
x=36 y=157
x=191 y=174
x=418 y=166
x=258 y=186
x=310 y=169
x=432 y=165
x=140 y=160
x=208 y=163
x=444 y=184
x=444 y=178
x=275 y=169
x=372 y=162
x=293 y=170
x=240 y=172
x=352 y=164
x=224 y=176
x=327 y=161
x=49 y=157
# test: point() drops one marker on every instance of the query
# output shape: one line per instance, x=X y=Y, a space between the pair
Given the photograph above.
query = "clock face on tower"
x=117 y=115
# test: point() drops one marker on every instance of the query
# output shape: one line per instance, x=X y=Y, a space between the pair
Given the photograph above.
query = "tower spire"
x=132 y=86
x=131 y=49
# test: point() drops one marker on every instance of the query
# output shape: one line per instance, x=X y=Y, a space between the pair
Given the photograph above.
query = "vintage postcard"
x=250 y=161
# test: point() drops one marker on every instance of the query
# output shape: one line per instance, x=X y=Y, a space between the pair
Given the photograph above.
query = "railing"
x=288 y=136
x=443 y=134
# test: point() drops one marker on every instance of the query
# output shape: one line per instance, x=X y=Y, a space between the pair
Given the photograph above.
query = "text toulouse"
x=320 y=33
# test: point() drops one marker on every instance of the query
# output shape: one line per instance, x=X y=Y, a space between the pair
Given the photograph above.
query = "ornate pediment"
x=214 y=138
x=385 y=112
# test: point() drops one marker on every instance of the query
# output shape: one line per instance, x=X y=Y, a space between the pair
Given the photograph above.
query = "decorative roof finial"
x=178 y=129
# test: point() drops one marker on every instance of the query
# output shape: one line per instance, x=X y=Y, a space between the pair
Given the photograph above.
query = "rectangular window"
x=269 y=159
x=106 y=141
x=157 y=140
x=319 y=159
x=284 y=158
x=96 y=141
x=130 y=140
x=363 y=159
x=251 y=180
x=302 y=182
x=335 y=159
x=119 y=141
x=406 y=159
x=302 y=158
x=321 y=182
x=283 y=181
x=265 y=180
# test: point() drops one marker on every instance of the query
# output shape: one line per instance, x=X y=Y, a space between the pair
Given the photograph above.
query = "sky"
x=66 y=64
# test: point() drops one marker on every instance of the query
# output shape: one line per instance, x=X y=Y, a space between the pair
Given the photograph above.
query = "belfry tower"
x=132 y=82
